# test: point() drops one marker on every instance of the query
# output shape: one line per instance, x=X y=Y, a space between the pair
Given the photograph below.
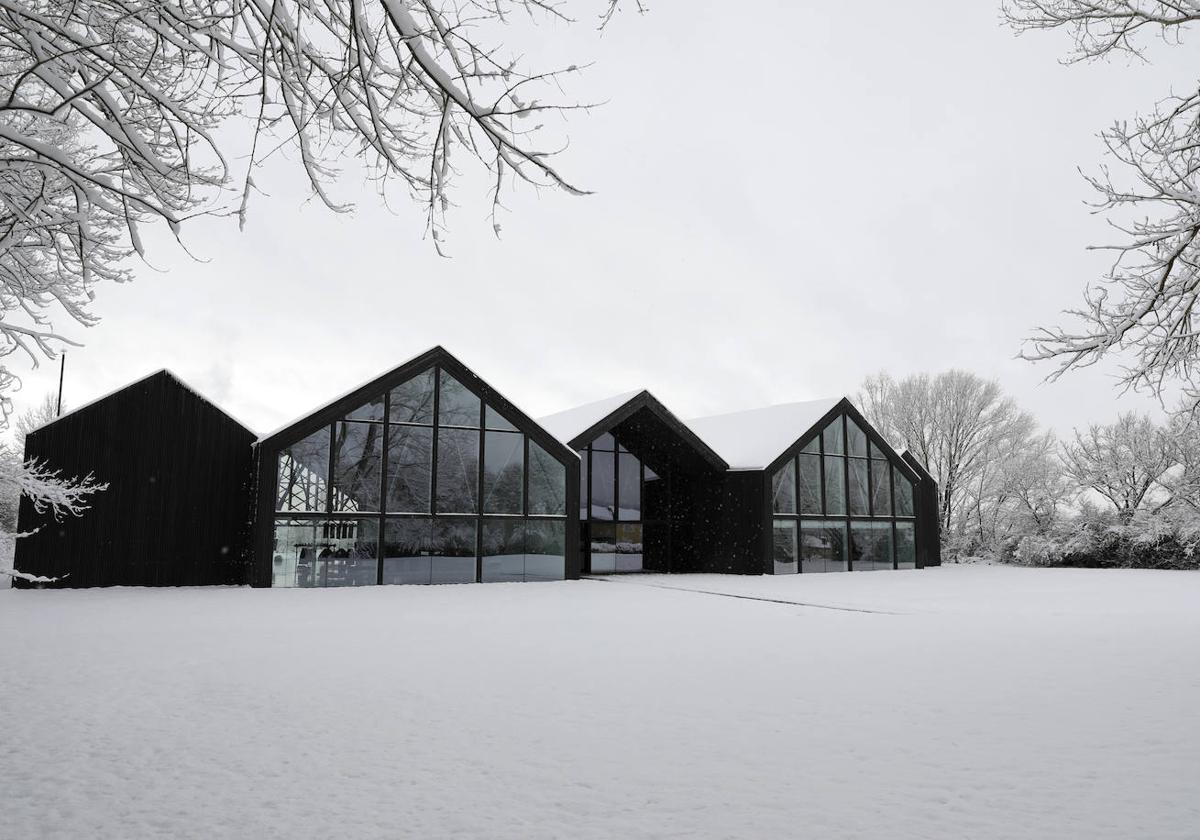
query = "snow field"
x=961 y=702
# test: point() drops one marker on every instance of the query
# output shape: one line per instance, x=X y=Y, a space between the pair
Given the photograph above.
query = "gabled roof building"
x=427 y=474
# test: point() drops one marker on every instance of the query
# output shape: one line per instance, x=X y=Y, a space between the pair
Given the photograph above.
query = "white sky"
x=785 y=203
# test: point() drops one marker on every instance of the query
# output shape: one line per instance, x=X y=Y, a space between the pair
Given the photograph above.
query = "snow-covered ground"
x=962 y=702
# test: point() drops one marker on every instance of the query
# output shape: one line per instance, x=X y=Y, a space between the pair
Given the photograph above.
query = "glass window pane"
x=605 y=442
x=457 y=471
x=904 y=495
x=881 y=488
x=372 y=411
x=503 y=472
x=810 y=483
x=412 y=401
x=457 y=406
x=325 y=552
x=783 y=489
x=831 y=437
x=492 y=419
x=294 y=553
x=409 y=469
x=858 y=487
x=406 y=544
x=784 y=550
x=603 y=503
x=857 y=439
x=835 y=485
x=906 y=545
x=822 y=546
x=547 y=483
x=452 y=551
x=870 y=546
x=545 y=550
x=503 y=550
x=629 y=548
x=304 y=474
x=629 y=493
x=649 y=474
x=603 y=547
x=348 y=552
x=357 y=467
x=813 y=447
x=876 y=452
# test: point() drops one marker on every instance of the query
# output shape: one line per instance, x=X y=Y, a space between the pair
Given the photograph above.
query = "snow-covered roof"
x=751 y=440
x=569 y=424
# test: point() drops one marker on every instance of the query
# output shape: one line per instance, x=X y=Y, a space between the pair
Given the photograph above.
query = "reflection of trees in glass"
x=412 y=401
x=503 y=472
x=835 y=485
x=783 y=489
x=456 y=405
x=548 y=483
x=418 y=549
x=357 y=466
x=858 y=487
x=303 y=474
x=904 y=495
x=457 y=471
x=881 y=488
x=810 y=483
x=409 y=467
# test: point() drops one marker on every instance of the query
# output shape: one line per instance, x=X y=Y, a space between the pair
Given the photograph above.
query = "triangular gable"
x=161 y=373
x=761 y=438
x=337 y=408
x=576 y=427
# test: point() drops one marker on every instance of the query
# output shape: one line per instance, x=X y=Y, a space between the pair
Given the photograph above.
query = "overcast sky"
x=785 y=203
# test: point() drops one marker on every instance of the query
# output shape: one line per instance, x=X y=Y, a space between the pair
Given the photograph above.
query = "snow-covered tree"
x=34 y=417
x=117 y=113
x=1125 y=461
x=962 y=427
x=1145 y=306
x=1038 y=485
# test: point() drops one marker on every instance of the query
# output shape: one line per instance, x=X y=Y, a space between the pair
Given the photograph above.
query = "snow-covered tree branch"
x=116 y=113
x=48 y=490
x=1145 y=306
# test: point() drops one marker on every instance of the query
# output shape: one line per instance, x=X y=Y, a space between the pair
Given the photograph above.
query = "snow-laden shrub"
x=1038 y=550
x=1166 y=539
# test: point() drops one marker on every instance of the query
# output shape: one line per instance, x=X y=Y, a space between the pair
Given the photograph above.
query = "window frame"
x=812 y=444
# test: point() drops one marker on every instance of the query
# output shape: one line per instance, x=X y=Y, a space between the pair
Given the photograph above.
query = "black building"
x=176 y=509
x=429 y=475
x=424 y=475
x=800 y=487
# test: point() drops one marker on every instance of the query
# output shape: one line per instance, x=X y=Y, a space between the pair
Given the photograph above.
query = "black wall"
x=929 y=530
x=729 y=529
x=176 y=508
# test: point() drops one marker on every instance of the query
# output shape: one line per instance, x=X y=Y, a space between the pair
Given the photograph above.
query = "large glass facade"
x=852 y=508
x=426 y=483
x=611 y=506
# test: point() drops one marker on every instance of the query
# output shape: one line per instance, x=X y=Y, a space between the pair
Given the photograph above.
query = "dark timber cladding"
x=648 y=485
x=814 y=488
x=426 y=474
x=929 y=528
x=175 y=511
